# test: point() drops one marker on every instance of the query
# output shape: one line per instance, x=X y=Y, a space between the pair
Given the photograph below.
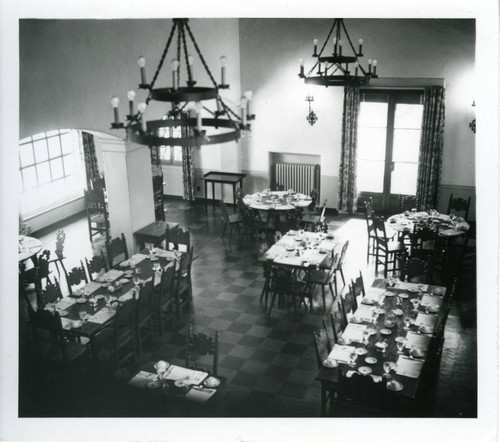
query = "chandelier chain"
x=178 y=70
x=352 y=47
x=323 y=47
x=169 y=41
x=188 y=68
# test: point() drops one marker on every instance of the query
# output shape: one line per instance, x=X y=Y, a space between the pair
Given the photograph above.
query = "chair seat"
x=235 y=218
x=318 y=277
x=311 y=219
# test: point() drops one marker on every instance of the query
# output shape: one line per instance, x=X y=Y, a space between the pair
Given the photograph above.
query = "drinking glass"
x=352 y=359
x=400 y=344
x=136 y=280
x=387 y=369
x=93 y=302
x=107 y=298
x=407 y=322
x=83 y=315
x=374 y=316
x=381 y=300
x=366 y=336
x=415 y=303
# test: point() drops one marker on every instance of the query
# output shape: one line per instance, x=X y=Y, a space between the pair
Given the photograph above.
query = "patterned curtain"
x=187 y=167
x=90 y=157
x=431 y=147
x=347 y=173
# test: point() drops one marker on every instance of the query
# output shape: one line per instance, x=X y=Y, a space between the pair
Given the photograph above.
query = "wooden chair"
x=76 y=278
x=387 y=252
x=199 y=345
x=323 y=279
x=158 y=197
x=179 y=239
x=229 y=220
x=358 y=286
x=251 y=224
x=164 y=297
x=349 y=304
x=119 y=338
x=96 y=265
x=370 y=228
x=116 y=251
x=52 y=343
x=312 y=221
x=338 y=320
x=183 y=285
x=423 y=240
x=407 y=203
x=322 y=345
x=144 y=315
x=59 y=252
x=33 y=280
x=97 y=213
x=51 y=294
x=283 y=284
x=99 y=183
x=340 y=263
x=416 y=270
x=459 y=207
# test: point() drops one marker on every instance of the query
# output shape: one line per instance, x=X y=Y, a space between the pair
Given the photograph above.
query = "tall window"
x=389 y=132
x=171 y=154
x=51 y=170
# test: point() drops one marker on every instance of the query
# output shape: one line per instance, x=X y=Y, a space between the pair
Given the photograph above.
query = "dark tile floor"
x=269 y=362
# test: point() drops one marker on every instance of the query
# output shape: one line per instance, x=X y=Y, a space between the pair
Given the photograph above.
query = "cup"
x=387 y=369
x=400 y=344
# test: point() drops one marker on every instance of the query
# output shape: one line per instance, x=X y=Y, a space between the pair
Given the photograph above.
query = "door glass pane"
x=40 y=148
x=177 y=153
x=54 y=147
x=371 y=143
x=26 y=155
x=372 y=114
x=370 y=176
x=406 y=145
x=408 y=116
x=404 y=178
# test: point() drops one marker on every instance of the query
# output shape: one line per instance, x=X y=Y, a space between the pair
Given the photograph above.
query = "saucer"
x=398 y=312
x=437 y=292
x=367 y=301
x=390 y=294
x=371 y=360
x=403 y=295
x=330 y=363
x=211 y=382
x=416 y=352
x=180 y=383
x=360 y=351
x=76 y=324
x=372 y=331
x=425 y=329
x=81 y=300
x=153 y=385
x=385 y=331
x=413 y=290
x=380 y=310
x=365 y=370
x=394 y=386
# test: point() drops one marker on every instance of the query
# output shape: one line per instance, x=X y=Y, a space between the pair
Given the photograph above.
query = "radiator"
x=301 y=178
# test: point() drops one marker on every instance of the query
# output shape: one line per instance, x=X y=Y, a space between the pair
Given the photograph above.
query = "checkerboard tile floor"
x=269 y=362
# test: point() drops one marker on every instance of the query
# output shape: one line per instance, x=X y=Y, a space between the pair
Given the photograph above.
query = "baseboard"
x=59 y=224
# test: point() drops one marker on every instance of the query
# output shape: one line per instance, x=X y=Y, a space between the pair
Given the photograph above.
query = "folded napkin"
x=364 y=312
x=193 y=377
x=354 y=332
x=65 y=303
x=327 y=245
x=114 y=274
x=375 y=377
x=102 y=315
x=427 y=319
x=432 y=300
x=418 y=340
x=341 y=353
x=66 y=323
x=409 y=367
x=200 y=394
x=92 y=286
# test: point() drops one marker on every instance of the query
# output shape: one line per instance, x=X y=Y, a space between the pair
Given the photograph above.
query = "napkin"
x=364 y=312
x=409 y=367
x=114 y=274
x=137 y=258
x=418 y=340
x=432 y=300
x=65 y=303
x=102 y=315
x=426 y=319
x=92 y=286
x=197 y=394
x=167 y=254
x=354 y=332
x=193 y=377
x=408 y=285
x=341 y=353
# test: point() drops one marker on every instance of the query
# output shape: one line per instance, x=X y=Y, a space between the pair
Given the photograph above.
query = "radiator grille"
x=300 y=177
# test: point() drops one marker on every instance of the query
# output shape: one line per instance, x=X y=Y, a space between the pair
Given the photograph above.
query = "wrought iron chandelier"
x=336 y=68
x=311 y=116
x=227 y=125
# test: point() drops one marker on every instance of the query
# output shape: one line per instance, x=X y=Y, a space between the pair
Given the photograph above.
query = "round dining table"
x=448 y=226
x=277 y=200
x=28 y=247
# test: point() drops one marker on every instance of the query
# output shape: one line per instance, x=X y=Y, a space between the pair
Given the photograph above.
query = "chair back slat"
x=200 y=344
x=116 y=250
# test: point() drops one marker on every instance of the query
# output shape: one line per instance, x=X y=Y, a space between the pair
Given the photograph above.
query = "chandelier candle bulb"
x=356 y=67
x=115 y=101
x=340 y=48
x=243 y=111
x=198 y=107
x=175 y=66
x=374 y=67
x=335 y=46
x=190 y=64
x=301 y=61
x=248 y=96
x=141 y=61
x=142 y=110
x=131 y=96
x=223 y=60
x=369 y=65
x=319 y=68
x=315 y=42
x=360 y=52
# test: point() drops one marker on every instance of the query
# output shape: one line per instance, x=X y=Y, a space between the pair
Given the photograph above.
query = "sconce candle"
x=340 y=48
x=115 y=101
x=369 y=65
x=198 y=107
x=248 y=96
x=374 y=67
x=301 y=67
x=190 y=64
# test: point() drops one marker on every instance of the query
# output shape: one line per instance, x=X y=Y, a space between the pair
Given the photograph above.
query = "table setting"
x=277 y=200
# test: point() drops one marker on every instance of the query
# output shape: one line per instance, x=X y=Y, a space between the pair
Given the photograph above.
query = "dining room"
x=299 y=232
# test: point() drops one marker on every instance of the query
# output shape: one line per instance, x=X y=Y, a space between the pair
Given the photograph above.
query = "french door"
x=389 y=128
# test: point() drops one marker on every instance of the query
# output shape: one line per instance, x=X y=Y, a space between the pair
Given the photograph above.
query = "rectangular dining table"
x=154 y=233
x=70 y=307
x=409 y=374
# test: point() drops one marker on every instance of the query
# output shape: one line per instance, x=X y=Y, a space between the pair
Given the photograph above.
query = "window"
x=51 y=170
x=389 y=129
x=170 y=154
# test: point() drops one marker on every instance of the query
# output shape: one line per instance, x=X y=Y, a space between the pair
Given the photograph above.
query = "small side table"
x=154 y=233
x=222 y=178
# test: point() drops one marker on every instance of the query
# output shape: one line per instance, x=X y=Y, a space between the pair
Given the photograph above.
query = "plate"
x=290 y=249
x=385 y=331
x=153 y=385
x=372 y=331
x=398 y=312
x=367 y=301
x=413 y=290
x=99 y=296
x=437 y=292
x=394 y=386
x=101 y=279
x=365 y=370
x=381 y=345
x=360 y=351
x=330 y=363
x=371 y=360
x=389 y=323
x=180 y=383
x=81 y=300
x=380 y=310
x=390 y=294
x=154 y=258
x=425 y=329
x=416 y=352
x=434 y=308
x=403 y=295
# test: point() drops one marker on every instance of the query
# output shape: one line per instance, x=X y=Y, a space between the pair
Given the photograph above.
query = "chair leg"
x=223 y=230
x=272 y=304
x=230 y=233
x=342 y=274
x=323 y=294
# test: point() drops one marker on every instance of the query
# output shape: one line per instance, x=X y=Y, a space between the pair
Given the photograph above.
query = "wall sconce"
x=311 y=117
